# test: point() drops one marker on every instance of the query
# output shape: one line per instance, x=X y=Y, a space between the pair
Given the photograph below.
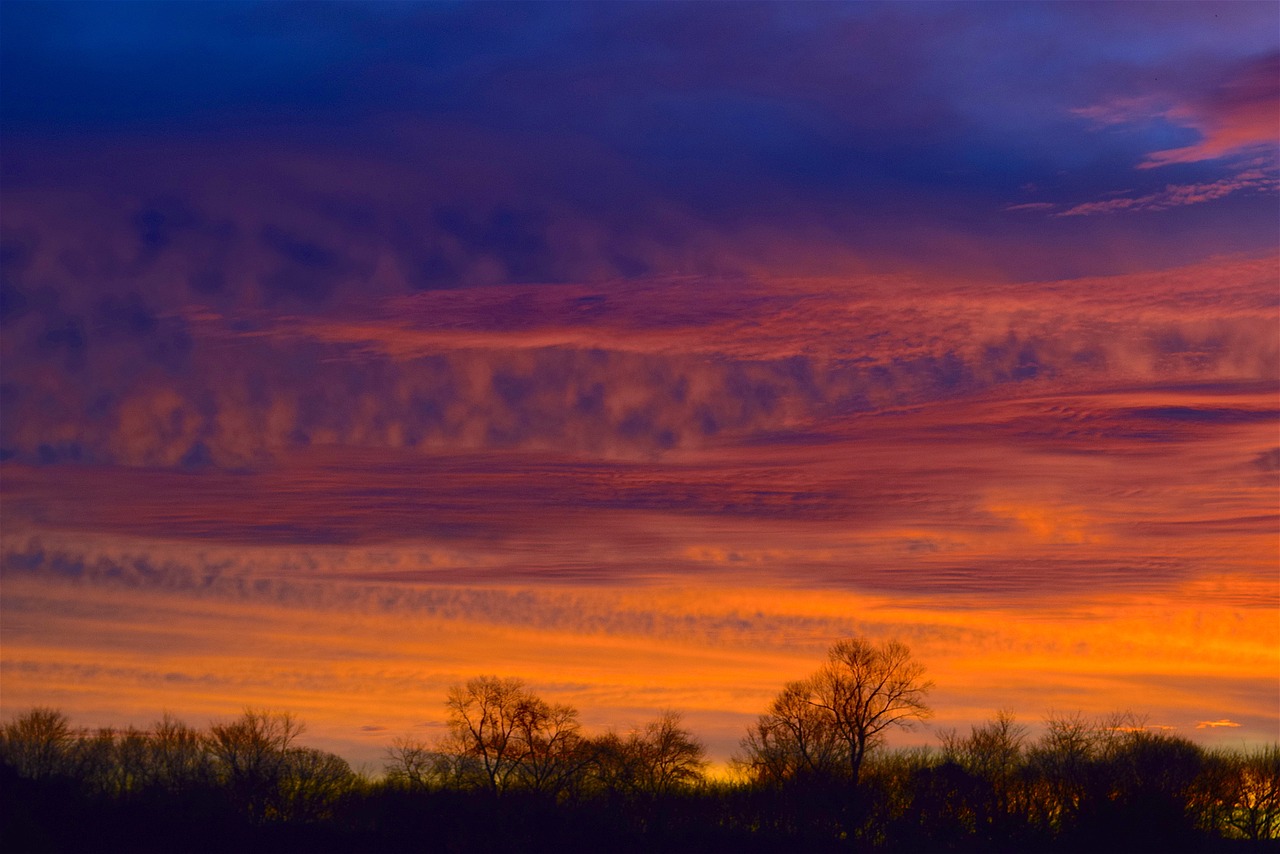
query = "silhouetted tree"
x=670 y=757
x=1141 y=792
x=177 y=756
x=1112 y=784
x=250 y=756
x=839 y=713
x=92 y=760
x=482 y=721
x=867 y=688
x=795 y=740
x=312 y=782
x=415 y=764
x=551 y=748
x=1060 y=765
x=659 y=758
x=1252 y=793
x=38 y=744
x=890 y=777
x=999 y=793
x=515 y=738
x=941 y=815
x=133 y=750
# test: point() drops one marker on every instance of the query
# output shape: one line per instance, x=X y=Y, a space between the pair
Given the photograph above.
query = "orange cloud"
x=1222 y=722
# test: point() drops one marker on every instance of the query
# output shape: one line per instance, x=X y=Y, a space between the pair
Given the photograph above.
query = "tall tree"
x=178 y=756
x=251 y=755
x=841 y=711
x=37 y=744
x=657 y=759
x=550 y=744
x=868 y=688
x=794 y=740
x=483 y=720
x=517 y=738
x=673 y=758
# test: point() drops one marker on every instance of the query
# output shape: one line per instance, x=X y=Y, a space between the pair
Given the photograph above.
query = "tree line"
x=516 y=772
x=503 y=737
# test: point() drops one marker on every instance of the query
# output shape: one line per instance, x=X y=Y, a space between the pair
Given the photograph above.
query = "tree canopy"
x=823 y=727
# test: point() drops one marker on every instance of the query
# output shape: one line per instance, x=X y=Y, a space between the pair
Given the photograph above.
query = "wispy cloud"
x=1032 y=206
x=1180 y=195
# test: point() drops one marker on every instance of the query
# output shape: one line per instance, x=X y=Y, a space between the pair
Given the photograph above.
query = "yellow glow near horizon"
x=364 y=673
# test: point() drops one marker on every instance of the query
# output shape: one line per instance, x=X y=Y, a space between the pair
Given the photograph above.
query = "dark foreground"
x=538 y=784
x=946 y=812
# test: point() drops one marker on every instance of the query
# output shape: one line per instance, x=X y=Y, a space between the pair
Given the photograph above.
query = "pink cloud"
x=1179 y=195
x=1239 y=116
x=1032 y=206
x=1119 y=111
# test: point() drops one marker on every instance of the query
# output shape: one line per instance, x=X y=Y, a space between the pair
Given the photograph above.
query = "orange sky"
x=640 y=351
x=1098 y=536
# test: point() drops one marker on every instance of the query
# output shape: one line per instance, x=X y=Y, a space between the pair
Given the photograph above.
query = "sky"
x=640 y=351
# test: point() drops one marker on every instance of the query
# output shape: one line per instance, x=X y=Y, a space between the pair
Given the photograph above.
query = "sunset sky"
x=639 y=351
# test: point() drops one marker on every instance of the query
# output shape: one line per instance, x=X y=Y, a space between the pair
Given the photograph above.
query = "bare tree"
x=794 y=740
x=517 y=738
x=1253 y=794
x=133 y=758
x=91 y=759
x=483 y=716
x=550 y=745
x=415 y=764
x=38 y=744
x=250 y=755
x=1061 y=763
x=671 y=758
x=993 y=754
x=312 y=783
x=868 y=688
x=843 y=710
x=178 y=757
x=659 y=758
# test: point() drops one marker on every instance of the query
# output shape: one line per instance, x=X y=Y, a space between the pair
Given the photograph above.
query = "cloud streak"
x=1177 y=195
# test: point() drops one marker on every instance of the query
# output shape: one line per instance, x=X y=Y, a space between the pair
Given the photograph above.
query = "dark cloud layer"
x=674 y=132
